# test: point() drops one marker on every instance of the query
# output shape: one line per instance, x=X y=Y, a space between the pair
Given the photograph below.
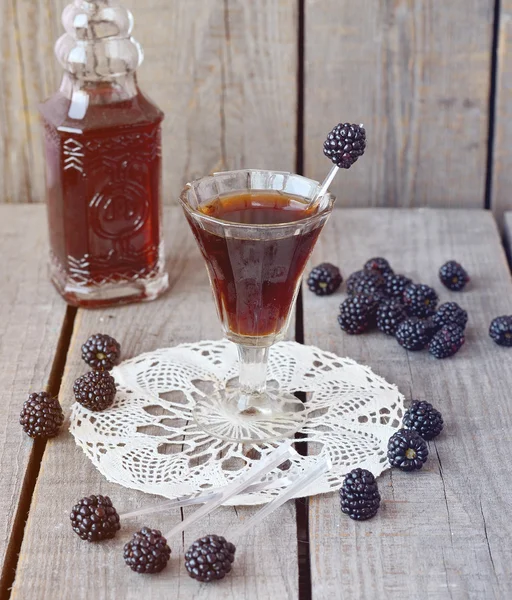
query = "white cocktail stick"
x=257 y=471
x=311 y=475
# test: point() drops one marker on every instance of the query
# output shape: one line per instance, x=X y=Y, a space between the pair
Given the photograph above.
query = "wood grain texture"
x=20 y=80
x=417 y=75
x=502 y=158
x=266 y=563
x=31 y=319
x=223 y=72
x=443 y=532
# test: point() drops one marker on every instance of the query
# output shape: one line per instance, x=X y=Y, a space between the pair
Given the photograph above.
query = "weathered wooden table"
x=444 y=532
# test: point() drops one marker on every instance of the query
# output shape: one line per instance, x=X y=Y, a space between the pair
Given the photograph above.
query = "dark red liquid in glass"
x=255 y=280
x=103 y=177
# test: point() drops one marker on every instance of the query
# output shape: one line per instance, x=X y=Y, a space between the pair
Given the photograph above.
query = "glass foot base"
x=271 y=416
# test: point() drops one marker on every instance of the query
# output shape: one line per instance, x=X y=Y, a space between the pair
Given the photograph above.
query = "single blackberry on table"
x=396 y=284
x=324 y=279
x=359 y=495
x=147 y=551
x=501 y=330
x=94 y=518
x=95 y=390
x=450 y=312
x=447 y=341
x=41 y=416
x=367 y=282
x=414 y=333
x=379 y=264
x=209 y=558
x=453 y=276
x=420 y=300
x=357 y=313
x=345 y=144
x=423 y=418
x=407 y=450
x=101 y=352
x=389 y=315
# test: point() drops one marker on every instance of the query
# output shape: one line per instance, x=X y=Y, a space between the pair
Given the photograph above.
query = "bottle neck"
x=83 y=93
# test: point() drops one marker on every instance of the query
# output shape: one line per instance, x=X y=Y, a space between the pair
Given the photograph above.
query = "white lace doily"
x=149 y=441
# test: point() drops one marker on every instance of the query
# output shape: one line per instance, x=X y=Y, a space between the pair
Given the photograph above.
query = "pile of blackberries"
x=391 y=302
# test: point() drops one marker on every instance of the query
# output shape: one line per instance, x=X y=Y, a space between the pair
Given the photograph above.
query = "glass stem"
x=253 y=375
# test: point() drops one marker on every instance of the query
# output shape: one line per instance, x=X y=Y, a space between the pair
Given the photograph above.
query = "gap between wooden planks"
x=508 y=236
x=34 y=328
x=444 y=532
x=54 y=563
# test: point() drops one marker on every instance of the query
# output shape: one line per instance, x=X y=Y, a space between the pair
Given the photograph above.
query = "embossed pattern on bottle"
x=104 y=187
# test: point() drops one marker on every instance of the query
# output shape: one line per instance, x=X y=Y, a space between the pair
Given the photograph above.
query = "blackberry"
x=147 y=551
x=95 y=519
x=431 y=327
x=501 y=330
x=345 y=144
x=366 y=282
x=353 y=280
x=420 y=300
x=396 y=284
x=41 y=416
x=450 y=312
x=389 y=316
x=209 y=558
x=407 y=450
x=95 y=390
x=414 y=333
x=423 y=418
x=453 y=276
x=357 y=313
x=379 y=264
x=101 y=352
x=324 y=279
x=359 y=494
x=447 y=341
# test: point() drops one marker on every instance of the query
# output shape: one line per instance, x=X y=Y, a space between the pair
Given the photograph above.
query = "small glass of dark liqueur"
x=256 y=231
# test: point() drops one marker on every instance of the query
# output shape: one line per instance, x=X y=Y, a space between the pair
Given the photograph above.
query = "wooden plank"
x=417 y=75
x=16 y=111
x=502 y=159
x=443 y=532
x=227 y=84
x=266 y=565
x=31 y=319
x=223 y=72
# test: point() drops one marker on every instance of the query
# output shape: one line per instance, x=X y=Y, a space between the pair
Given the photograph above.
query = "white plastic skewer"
x=277 y=457
x=306 y=479
x=202 y=499
x=317 y=199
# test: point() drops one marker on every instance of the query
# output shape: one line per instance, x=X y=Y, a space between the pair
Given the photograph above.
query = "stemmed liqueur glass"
x=255 y=261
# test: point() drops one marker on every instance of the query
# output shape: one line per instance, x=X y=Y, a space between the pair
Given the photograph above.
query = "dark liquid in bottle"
x=255 y=280
x=103 y=173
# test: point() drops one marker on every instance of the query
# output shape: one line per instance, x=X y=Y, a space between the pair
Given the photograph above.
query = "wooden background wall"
x=246 y=83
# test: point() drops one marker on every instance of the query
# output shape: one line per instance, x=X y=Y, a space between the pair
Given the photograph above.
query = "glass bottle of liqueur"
x=103 y=156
